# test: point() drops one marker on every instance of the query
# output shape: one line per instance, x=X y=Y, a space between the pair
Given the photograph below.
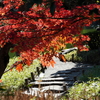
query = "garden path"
x=58 y=79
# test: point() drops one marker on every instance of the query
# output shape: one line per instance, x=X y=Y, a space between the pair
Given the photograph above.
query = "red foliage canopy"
x=38 y=34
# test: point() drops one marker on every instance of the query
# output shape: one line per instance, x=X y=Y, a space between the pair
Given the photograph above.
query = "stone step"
x=46 y=83
x=38 y=92
x=59 y=75
x=81 y=68
x=52 y=79
x=64 y=72
x=76 y=74
x=53 y=87
x=41 y=84
x=58 y=79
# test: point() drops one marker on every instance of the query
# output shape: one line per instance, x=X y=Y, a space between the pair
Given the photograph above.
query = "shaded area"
x=91 y=74
x=4 y=57
x=91 y=57
x=94 y=42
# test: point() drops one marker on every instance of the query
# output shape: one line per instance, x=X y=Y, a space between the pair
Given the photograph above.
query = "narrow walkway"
x=58 y=79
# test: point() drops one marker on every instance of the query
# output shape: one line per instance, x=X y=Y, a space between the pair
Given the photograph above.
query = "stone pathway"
x=57 y=79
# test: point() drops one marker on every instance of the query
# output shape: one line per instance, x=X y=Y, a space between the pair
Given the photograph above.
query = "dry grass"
x=19 y=96
x=16 y=96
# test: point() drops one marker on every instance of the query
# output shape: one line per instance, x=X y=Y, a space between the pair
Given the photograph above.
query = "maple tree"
x=42 y=30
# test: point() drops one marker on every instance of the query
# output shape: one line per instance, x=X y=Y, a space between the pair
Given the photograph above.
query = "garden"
x=13 y=80
x=33 y=32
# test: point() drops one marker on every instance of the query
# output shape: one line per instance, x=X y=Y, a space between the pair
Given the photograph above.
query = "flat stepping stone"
x=47 y=83
x=68 y=50
x=67 y=83
x=75 y=70
x=80 y=68
x=36 y=91
x=73 y=77
x=53 y=87
x=75 y=74
x=64 y=72
x=51 y=79
x=59 y=75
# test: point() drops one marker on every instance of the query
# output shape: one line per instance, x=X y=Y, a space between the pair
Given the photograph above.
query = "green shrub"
x=84 y=90
x=84 y=31
x=14 y=79
x=89 y=86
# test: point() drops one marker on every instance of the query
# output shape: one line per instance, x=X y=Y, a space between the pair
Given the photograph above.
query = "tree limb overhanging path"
x=57 y=79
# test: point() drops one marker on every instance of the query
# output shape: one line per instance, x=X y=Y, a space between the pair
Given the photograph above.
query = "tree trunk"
x=4 y=57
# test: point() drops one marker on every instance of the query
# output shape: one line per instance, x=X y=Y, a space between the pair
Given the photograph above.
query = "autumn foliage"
x=39 y=34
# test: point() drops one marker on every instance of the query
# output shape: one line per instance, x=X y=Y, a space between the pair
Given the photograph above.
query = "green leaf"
x=69 y=45
x=52 y=8
x=11 y=55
